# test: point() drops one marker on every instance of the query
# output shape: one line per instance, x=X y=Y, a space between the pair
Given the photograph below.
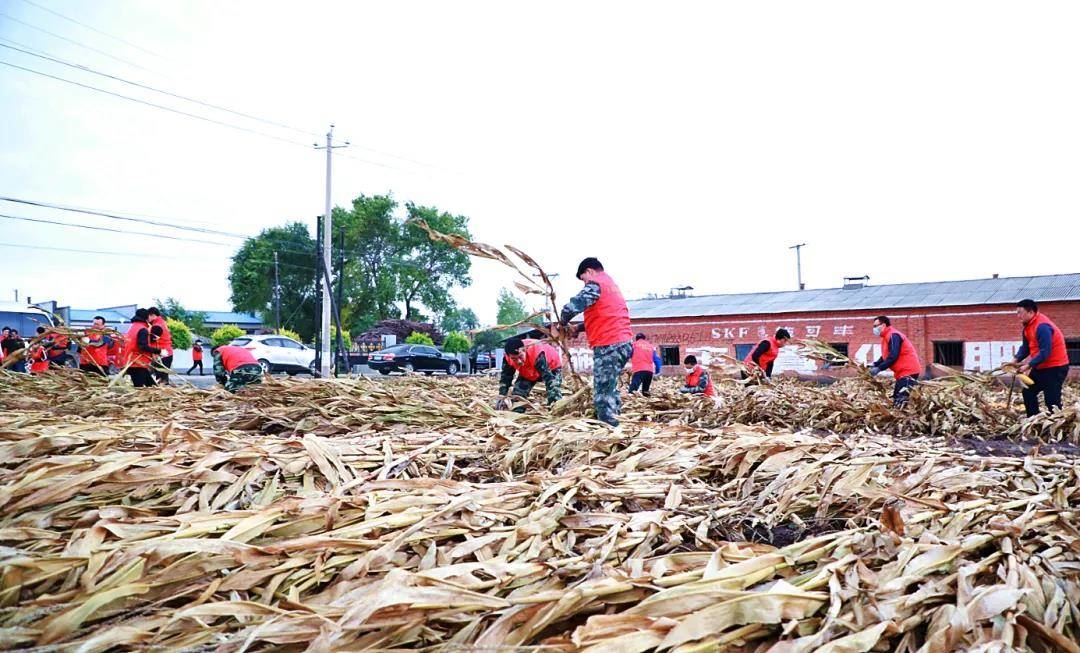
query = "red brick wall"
x=973 y=325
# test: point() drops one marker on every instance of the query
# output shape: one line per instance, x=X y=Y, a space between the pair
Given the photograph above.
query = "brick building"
x=970 y=325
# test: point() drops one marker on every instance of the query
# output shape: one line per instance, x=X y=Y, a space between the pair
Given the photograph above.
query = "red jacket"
x=1059 y=355
x=533 y=349
x=694 y=378
x=607 y=322
x=233 y=357
x=907 y=363
x=642 y=358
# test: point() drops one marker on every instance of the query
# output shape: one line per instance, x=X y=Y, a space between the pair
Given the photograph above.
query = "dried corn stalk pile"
x=407 y=515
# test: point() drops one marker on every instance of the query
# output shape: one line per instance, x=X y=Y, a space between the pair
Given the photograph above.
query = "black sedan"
x=413 y=358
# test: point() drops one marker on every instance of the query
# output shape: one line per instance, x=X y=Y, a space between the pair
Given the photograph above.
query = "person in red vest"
x=137 y=355
x=697 y=379
x=116 y=349
x=898 y=355
x=530 y=360
x=607 y=327
x=1042 y=356
x=162 y=339
x=235 y=367
x=196 y=358
x=38 y=353
x=94 y=351
x=56 y=345
x=766 y=352
x=642 y=365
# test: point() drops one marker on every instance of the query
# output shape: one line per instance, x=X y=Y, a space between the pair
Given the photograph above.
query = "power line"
x=115 y=216
x=117 y=231
x=93 y=29
x=156 y=106
x=156 y=90
x=81 y=45
x=109 y=253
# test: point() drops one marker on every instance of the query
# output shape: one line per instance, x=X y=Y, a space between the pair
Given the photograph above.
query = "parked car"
x=485 y=362
x=280 y=354
x=413 y=358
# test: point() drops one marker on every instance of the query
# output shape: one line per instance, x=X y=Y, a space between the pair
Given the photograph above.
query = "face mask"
x=878 y=330
x=689 y=370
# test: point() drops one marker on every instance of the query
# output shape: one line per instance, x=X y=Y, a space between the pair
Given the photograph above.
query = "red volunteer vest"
x=196 y=354
x=766 y=358
x=607 y=322
x=233 y=357
x=533 y=349
x=39 y=360
x=91 y=355
x=907 y=363
x=693 y=378
x=1058 y=354
x=165 y=340
x=642 y=358
x=60 y=343
x=130 y=356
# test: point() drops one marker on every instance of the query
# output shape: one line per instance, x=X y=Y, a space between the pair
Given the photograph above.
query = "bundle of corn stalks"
x=368 y=515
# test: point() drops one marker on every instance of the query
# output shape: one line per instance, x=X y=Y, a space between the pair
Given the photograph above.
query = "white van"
x=24 y=318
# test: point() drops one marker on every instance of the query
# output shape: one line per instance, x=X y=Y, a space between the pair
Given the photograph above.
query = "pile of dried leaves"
x=401 y=515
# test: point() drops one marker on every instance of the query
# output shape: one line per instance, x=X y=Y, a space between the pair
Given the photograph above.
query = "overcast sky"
x=681 y=143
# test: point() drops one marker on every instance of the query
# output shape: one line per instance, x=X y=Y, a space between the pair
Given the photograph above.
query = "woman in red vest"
x=607 y=327
x=1044 y=358
x=766 y=352
x=697 y=379
x=642 y=365
x=138 y=353
x=531 y=360
x=161 y=338
x=898 y=355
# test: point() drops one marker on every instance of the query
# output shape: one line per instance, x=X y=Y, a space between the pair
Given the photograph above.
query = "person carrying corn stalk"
x=697 y=379
x=235 y=367
x=56 y=346
x=765 y=353
x=94 y=351
x=1042 y=356
x=38 y=353
x=162 y=339
x=530 y=360
x=607 y=327
x=898 y=355
x=138 y=353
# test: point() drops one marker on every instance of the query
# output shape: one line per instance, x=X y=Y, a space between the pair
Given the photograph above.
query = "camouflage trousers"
x=523 y=386
x=608 y=363
x=242 y=376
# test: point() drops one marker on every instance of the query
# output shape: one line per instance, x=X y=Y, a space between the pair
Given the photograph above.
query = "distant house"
x=119 y=316
x=249 y=322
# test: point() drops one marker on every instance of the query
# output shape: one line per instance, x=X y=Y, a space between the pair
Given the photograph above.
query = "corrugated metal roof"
x=225 y=317
x=86 y=316
x=1060 y=287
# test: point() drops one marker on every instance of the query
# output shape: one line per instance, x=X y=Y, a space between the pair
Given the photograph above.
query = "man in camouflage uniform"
x=235 y=367
x=530 y=361
x=607 y=327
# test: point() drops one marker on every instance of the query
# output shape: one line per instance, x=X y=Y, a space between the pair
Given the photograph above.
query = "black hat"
x=590 y=263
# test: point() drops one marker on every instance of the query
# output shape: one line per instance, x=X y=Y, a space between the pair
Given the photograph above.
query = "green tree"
x=459 y=319
x=488 y=340
x=225 y=334
x=511 y=308
x=289 y=334
x=181 y=334
x=370 y=240
x=173 y=308
x=417 y=338
x=344 y=335
x=427 y=270
x=251 y=276
x=456 y=342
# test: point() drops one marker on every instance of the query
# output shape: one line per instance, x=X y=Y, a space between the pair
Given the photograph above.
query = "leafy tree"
x=459 y=319
x=489 y=340
x=181 y=334
x=456 y=343
x=511 y=308
x=173 y=308
x=427 y=270
x=345 y=336
x=417 y=338
x=225 y=334
x=251 y=276
x=289 y=334
x=370 y=239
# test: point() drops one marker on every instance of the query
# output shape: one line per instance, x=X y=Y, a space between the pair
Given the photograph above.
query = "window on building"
x=842 y=349
x=949 y=353
x=1073 y=347
x=742 y=351
x=670 y=354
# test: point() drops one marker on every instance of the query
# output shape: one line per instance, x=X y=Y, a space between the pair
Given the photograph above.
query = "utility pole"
x=798 y=263
x=277 y=296
x=326 y=243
